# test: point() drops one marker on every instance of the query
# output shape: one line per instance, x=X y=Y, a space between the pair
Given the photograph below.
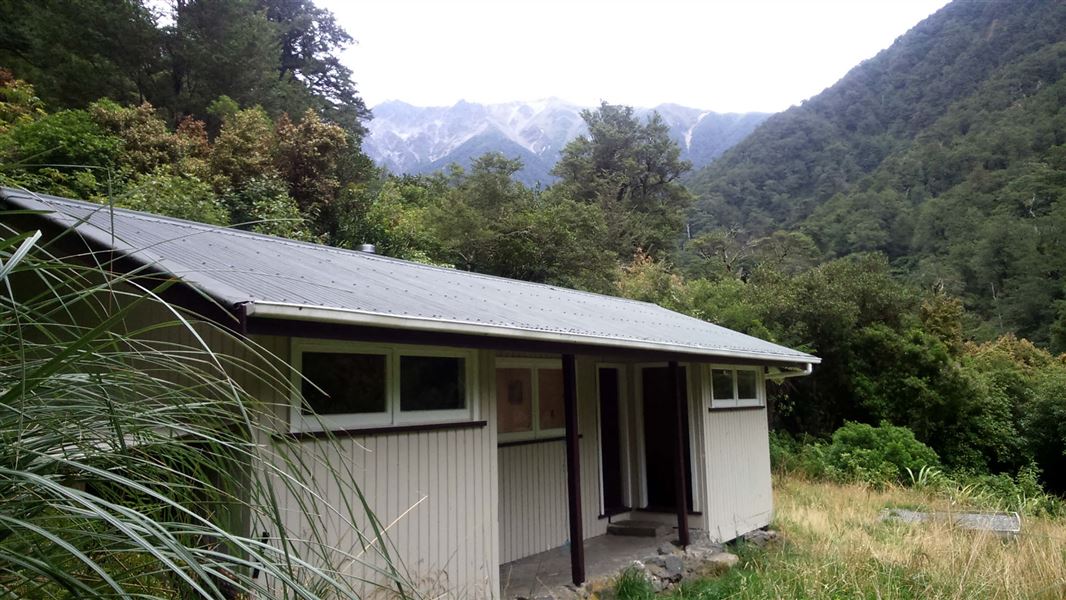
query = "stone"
x=711 y=565
x=674 y=567
x=760 y=537
x=655 y=561
x=668 y=548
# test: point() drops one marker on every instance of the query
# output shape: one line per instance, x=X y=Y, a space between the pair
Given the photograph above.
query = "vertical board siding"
x=434 y=491
x=739 y=493
x=532 y=499
x=532 y=482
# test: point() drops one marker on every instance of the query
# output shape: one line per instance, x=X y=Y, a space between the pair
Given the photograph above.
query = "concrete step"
x=637 y=528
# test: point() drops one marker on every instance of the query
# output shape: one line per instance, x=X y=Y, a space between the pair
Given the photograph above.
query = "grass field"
x=836 y=547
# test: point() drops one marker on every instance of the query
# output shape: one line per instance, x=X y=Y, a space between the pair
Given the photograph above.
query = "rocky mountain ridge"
x=408 y=139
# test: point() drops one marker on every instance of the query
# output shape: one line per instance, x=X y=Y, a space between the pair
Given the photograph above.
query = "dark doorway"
x=611 y=440
x=660 y=430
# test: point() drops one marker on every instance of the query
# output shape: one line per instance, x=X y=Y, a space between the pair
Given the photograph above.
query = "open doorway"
x=612 y=440
x=659 y=416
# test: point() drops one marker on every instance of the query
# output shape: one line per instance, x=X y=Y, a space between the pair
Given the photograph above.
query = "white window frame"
x=393 y=415
x=534 y=365
x=736 y=401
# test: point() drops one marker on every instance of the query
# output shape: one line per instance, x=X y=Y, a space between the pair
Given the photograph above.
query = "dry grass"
x=838 y=548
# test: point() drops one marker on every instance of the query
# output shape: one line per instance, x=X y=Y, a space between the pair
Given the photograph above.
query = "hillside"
x=410 y=139
x=945 y=151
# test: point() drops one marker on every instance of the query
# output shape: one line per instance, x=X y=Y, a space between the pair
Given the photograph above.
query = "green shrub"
x=877 y=455
x=804 y=456
x=633 y=585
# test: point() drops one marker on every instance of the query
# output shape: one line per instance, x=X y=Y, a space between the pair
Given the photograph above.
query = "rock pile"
x=671 y=565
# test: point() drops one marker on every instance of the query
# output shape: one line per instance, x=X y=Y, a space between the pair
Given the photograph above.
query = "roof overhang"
x=335 y=316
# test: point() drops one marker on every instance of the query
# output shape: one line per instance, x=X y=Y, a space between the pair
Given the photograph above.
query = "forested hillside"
x=946 y=152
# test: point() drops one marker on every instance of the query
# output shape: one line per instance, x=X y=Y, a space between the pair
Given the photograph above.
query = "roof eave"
x=318 y=314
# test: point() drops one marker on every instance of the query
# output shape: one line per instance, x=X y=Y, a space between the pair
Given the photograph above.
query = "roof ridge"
x=301 y=244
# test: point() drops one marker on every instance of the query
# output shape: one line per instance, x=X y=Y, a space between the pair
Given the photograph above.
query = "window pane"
x=722 y=384
x=349 y=383
x=432 y=383
x=746 y=387
x=514 y=400
x=550 y=390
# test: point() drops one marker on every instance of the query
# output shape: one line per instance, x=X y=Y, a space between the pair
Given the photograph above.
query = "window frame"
x=393 y=415
x=533 y=365
x=736 y=401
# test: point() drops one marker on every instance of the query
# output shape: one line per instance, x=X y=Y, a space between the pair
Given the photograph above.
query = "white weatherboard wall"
x=739 y=492
x=435 y=490
x=532 y=485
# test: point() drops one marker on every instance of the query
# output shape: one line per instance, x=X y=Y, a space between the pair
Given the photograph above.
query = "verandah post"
x=573 y=470
x=680 y=474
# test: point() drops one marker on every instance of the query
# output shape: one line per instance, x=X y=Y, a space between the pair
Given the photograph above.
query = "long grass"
x=134 y=463
x=837 y=547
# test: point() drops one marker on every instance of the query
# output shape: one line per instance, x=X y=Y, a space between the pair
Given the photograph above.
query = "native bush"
x=877 y=455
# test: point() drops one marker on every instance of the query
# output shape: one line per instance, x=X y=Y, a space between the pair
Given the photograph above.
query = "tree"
x=310 y=40
x=76 y=52
x=631 y=170
x=224 y=48
x=308 y=153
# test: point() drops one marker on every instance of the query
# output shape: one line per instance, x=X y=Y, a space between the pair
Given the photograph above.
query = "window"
x=344 y=383
x=349 y=385
x=733 y=387
x=529 y=399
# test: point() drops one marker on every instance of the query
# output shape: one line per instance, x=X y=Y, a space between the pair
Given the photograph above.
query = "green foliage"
x=174 y=196
x=631 y=170
x=280 y=54
x=77 y=152
x=69 y=137
x=77 y=52
x=633 y=585
x=147 y=144
x=861 y=452
x=18 y=102
x=945 y=152
x=307 y=158
x=244 y=149
x=263 y=205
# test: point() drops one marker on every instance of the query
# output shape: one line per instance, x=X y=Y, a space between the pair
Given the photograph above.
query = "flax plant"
x=134 y=460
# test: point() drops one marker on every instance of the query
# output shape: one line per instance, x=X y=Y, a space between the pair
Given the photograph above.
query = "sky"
x=721 y=55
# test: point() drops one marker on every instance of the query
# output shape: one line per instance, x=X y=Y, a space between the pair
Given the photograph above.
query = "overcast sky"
x=736 y=55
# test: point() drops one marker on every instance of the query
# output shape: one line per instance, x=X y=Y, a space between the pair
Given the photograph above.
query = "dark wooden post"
x=680 y=473
x=573 y=470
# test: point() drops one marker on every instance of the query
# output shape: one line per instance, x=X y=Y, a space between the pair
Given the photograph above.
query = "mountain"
x=410 y=139
x=946 y=151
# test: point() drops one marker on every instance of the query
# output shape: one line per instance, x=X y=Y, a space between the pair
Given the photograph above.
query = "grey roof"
x=287 y=279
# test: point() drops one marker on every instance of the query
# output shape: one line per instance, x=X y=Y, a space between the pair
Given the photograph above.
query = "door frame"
x=623 y=437
x=691 y=397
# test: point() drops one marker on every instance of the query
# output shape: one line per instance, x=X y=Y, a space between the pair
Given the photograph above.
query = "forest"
x=907 y=225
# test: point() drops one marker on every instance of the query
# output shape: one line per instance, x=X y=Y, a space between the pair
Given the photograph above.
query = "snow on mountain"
x=410 y=139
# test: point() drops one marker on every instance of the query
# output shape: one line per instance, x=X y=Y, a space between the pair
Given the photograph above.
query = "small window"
x=735 y=387
x=747 y=385
x=529 y=399
x=338 y=383
x=432 y=383
x=514 y=400
x=550 y=398
x=349 y=385
x=722 y=384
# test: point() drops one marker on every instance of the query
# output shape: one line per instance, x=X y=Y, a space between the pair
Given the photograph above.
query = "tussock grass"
x=836 y=547
x=135 y=464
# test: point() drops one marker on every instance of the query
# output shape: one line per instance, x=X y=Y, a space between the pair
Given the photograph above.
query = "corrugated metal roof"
x=288 y=279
